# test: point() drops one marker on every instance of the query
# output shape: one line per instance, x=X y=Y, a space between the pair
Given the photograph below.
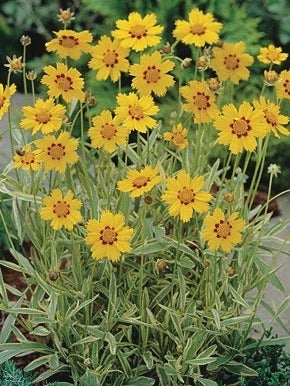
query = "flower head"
x=57 y=152
x=15 y=64
x=109 y=59
x=270 y=78
x=200 y=30
x=65 y=16
x=178 y=136
x=274 y=169
x=221 y=232
x=62 y=211
x=109 y=237
x=283 y=85
x=138 y=33
x=151 y=75
x=5 y=95
x=230 y=62
x=240 y=128
x=26 y=159
x=44 y=116
x=184 y=195
x=140 y=182
x=63 y=81
x=107 y=132
x=272 y=55
x=136 y=113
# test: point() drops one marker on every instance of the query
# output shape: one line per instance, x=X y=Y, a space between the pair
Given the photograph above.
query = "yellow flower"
x=230 y=62
x=221 y=232
x=107 y=132
x=200 y=101
x=62 y=211
x=109 y=237
x=283 y=85
x=63 y=81
x=178 y=136
x=44 y=116
x=151 y=75
x=70 y=43
x=109 y=58
x=140 y=182
x=26 y=159
x=272 y=116
x=138 y=33
x=240 y=128
x=272 y=55
x=184 y=195
x=57 y=152
x=200 y=30
x=136 y=112
x=5 y=95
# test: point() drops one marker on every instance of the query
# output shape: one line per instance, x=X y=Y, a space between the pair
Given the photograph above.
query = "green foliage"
x=10 y=375
x=5 y=208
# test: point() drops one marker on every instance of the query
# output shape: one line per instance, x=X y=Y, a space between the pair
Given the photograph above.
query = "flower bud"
x=270 y=77
x=213 y=84
x=90 y=99
x=166 y=49
x=15 y=64
x=202 y=63
x=161 y=265
x=20 y=151
x=148 y=200
x=274 y=169
x=229 y=197
x=25 y=40
x=53 y=276
x=206 y=263
x=230 y=271
x=31 y=75
x=186 y=63
x=65 y=16
x=220 y=43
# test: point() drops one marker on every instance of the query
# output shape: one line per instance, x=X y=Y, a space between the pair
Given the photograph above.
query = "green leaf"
x=40 y=331
x=8 y=324
x=268 y=342
x=152 y=246
x=206 y=382
x=203 y=358
x=112 y=342
x=89 y=379
x=140 y=381
x=148 y=359
x=240 y=369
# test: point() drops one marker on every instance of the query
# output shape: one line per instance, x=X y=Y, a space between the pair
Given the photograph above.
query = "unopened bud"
x=166 y=48
x=90 y=99
x=207 y=51
x=53 y=276
x=148 y=200
x=206 y=263
x=202 y=63
x=88 y=362
x=20 y=151
x=25 y=40
x=173 y=114
x=271 y=77
x=31 y=75
x=229 y=197
x=230 y=271
x=161 y=265
x=65 y=16
x=220 y=43
x=213 y=84
x=186 y=63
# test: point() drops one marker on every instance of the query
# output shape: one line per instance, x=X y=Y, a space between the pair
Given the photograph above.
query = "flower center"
x=270 y=118
x=136 y=112
x=56 y=151
x=241 y=127
x=64 y=82
x=231 y=62
x=223 y=229
x=108 y=131
x=61 y=209
x=16 y=64
x=43 y=116
x=186 y=196
x=110 y=58
x=272 y=56
x=197 y=29
x=286 y=85
x=28 y=158
x=2 y=100
x=68 y=41
x=201 y=101
x=178 y=138
x=152 y=74
x=137 y=31
x=108 y=235
x=140 y=181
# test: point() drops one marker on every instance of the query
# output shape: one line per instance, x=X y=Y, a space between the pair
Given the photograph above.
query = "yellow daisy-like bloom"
x=109 y=237
x=200 y=101
x=272 y=116
x=240 y=128
x=200 y=30
x=107 y=132
x=44 y=116
x=272 y=55
x=63 y=81
x=62 y=211
x=230 y=62
x=26 y=159
x=5 y=95
x=57 y=152
x=138 y=33
x=109 y=58
x=136 y=112
x=141 y=182
x=178 y=136
x=151 y=75
x=283 y=85
x=70 y=43
x=184 y=195
x=221 y=232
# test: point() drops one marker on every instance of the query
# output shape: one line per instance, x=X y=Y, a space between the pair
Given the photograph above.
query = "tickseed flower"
x=70 y=43
x=141 y=182
x=109 y=237
x=283 y=85
x=107 y=132
x=272 y=55
x=151 y=75
x=272 y=116
x=200 y=30
x=221 y=232
x=136 y=112
x=65 y=16
x=62 y=211
x=109 y=58
x=240 y=128
x=178 y=136
x=270 y=78
x=230 y=62
x=138 y=33
x=26 y=159
x=44 y=116
x=25 y=40
x=184 y=195
x=274 y=169
x=200 y=101
x=5 y=95
x=15 y=64
x=57 y=152
x=63 y=81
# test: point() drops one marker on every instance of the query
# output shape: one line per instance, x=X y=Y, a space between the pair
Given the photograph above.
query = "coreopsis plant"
x=143 y=245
